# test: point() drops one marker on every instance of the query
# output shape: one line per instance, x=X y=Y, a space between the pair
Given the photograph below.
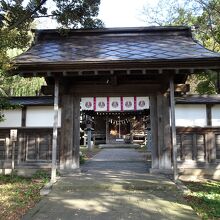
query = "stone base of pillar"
x=69 y=172
x=161 y=171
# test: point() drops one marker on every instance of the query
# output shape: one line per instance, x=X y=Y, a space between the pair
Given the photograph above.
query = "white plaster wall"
x=216 y=115
x=41 y=116
x=190 y=115
x=12 y=118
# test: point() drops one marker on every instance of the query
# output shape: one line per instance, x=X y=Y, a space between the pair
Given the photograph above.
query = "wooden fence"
x=198 y=145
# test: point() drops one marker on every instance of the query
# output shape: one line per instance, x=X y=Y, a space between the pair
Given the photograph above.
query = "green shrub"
x=42 y=174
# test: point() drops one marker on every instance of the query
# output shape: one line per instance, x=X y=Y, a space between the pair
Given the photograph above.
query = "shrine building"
x=126 y=80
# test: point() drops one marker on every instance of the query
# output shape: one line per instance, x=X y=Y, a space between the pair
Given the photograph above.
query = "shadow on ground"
x=114 y=190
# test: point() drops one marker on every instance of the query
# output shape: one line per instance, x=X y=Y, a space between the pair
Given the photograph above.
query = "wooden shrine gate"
x=116 y=62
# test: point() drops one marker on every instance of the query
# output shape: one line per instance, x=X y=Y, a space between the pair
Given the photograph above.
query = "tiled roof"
x=114 y=45
x=32 y=100
x=198 y=99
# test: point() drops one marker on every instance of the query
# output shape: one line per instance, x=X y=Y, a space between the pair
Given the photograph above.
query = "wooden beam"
x=154 y=132
x=108 y=90
x=173 y=129
x=107 y=130
x=218 y=82
x=23 y=116
x=209 y=114
x=55 y=131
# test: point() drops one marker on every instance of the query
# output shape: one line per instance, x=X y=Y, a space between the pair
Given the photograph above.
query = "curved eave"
x=196 y=64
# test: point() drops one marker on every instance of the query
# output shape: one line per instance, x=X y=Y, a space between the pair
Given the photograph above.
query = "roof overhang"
x=151 y=50
x=145 y=67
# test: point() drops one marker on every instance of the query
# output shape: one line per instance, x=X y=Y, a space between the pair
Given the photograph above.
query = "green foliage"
x=18 y=195
x=82 y=159
x=77 y=14
x=43 y=175
x=19 y=86
x=204 y=16
x=205 y=198
x=11 y=179
x=4 y=105
x=206 y=83
x=86 y=154
x=16 y=20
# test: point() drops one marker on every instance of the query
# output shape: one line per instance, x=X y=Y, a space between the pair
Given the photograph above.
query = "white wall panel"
x=190 y=115
x=12 y=118
x=41 y=116
x=216 y=115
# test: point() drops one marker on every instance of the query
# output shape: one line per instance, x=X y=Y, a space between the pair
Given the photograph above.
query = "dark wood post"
x=55 y=129
x=66 y=131
x=23 y=116
x=153 y=124
x=70 y=132
x=76 y=131
x=211 y=146
x=164 y=135
x=209 y=114
x=166 y=150
x=173 y=129
x=107 y=130
x=218 y=82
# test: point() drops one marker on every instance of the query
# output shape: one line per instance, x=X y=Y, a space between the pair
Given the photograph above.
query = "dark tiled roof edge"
x=41 y=34
x=198 y=99
x=48 y=100
x=32 y=100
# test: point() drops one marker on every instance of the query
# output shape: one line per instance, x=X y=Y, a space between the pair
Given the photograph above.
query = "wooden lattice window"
x=38 y=147
x=187 y=146
x=200 y=147
x=217 y=144
x=2 y=149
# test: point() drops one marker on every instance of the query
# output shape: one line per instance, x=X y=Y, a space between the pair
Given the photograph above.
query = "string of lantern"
x=117 y=122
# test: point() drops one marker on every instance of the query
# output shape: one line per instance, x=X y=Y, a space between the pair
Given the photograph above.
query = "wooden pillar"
x=154 y=132
x=211 y=148
x=55 y=131
x=89 y=138
x=19 y=148
x=76 y=131
x=107 y=130
x=209 y=114
x=164 y=135
x=23 y=116
x=173 y=128
x=70 y=132
x=160 y=130
x=194 y=146
x=166 y=150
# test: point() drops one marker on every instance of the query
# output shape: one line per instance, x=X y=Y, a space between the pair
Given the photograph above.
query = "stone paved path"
x=114 y=185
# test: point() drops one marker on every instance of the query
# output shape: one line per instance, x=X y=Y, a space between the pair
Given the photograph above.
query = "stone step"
x=117 y=145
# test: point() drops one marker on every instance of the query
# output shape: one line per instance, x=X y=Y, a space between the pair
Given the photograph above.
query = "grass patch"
x=86 y=154
x=19 y=194
x=205 y=198
x=141 y=148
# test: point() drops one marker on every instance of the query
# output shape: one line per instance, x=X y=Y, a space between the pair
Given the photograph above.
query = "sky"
x=114 y=13
x=122 y=13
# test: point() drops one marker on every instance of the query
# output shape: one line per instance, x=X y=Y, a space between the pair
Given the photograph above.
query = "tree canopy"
x=17 y=18
x=204 y=17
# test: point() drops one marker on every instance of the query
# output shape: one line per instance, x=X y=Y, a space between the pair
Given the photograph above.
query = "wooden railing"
x=198 y=144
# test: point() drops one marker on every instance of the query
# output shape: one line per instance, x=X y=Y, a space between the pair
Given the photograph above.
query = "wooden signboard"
x=13 y=134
